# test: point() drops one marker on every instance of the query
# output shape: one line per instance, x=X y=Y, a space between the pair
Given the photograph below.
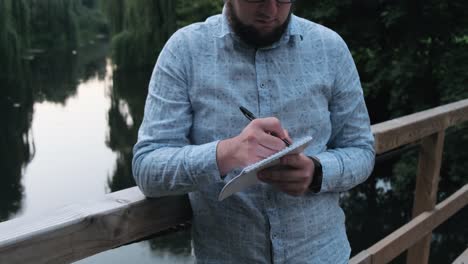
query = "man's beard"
x=251 y=35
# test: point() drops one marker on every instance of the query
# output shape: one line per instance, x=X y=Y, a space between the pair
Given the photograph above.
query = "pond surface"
x=68 y=134
x=71 y=161
x=75 y=151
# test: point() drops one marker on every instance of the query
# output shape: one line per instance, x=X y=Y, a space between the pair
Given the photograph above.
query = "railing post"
x=425 y=198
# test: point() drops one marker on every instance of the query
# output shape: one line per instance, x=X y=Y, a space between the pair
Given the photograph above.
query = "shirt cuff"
x=204 y=167
x=331 y=170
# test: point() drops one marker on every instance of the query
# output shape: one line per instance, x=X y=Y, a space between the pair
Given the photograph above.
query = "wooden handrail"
x=81 y=230
x=462 y=259
x=394 y=244
x=411 y=128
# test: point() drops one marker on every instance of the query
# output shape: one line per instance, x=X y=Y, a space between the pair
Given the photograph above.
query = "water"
x=70 y=121
x=77 y=147
x=71 y=152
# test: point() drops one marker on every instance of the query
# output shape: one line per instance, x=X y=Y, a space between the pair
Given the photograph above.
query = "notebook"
x=248 y=176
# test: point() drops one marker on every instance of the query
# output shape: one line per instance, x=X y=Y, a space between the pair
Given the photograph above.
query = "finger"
x=298 y=161
x=272 y=142
x=281 y=176
x=288 y=138
x=270 y=124
x=256 y=138
x=264 y=152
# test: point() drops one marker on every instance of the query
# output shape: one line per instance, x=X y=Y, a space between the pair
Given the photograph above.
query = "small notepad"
x=248 y=175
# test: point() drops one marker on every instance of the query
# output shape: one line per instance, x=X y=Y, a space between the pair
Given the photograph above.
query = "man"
x=297 y=75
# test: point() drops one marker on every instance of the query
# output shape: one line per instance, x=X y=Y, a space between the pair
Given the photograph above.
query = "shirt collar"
x=225 y=28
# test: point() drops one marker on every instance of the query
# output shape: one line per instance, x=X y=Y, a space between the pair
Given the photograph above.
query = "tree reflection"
x=401 y=74
x=176 y=243
x=16 y=100
x=16 y=149
x=128 y=95
x=57 y=73
x=38 y=51
x=384 y=203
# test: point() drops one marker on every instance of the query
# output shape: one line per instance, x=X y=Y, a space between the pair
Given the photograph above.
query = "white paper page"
x=248 y=175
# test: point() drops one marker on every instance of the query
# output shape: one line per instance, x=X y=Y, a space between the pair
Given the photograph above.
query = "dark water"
x=77 y=133
x=70 y=119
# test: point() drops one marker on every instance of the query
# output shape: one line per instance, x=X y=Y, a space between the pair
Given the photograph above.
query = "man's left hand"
x=293 y=176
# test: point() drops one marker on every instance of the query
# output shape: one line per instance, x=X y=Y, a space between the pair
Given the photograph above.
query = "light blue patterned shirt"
x=309 y=81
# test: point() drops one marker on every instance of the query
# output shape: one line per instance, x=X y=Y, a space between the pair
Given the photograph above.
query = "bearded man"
x=300 y=79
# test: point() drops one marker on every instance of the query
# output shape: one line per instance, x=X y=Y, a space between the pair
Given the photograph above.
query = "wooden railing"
x=81 y=230
x=428 y=127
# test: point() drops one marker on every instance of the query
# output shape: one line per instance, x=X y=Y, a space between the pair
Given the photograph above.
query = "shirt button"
x=262 y=85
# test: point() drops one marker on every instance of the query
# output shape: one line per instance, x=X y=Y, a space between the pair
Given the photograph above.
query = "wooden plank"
x=400 y=131
x=362 y=258
x=462 y=259
x=394 y=244
x=81 y=230
x=425 y=198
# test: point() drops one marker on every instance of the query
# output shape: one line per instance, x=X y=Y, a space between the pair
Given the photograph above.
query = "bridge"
x=84 y=229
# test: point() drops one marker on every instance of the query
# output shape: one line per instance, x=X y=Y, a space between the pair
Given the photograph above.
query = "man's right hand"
x=253 y=144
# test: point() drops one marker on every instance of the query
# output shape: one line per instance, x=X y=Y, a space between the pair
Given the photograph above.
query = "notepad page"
x=277 y=155
x=248 y=175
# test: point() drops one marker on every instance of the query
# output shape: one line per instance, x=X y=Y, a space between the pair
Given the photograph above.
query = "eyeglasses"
x=278 y=1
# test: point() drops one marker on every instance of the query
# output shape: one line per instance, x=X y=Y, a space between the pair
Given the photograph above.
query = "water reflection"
x=128 y=95
x=16 y=143
x=177 y=243
x=384 y=203
x=51 y=68
x=16 y=107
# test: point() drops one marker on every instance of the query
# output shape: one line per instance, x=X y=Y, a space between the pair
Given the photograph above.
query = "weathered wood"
x=425 y=197
x=400 y=131
x=397 y=242
x=362 y=258
x=462 y=259
x=81 y=230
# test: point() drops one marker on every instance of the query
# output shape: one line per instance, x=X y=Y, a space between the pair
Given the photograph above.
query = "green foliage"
x=50 y=24
x=15 y=105
x=411 y=55
x=54 y=24
x=13 y=36
x=125 y=116
x=28 y=75
x=114 y=11
x=146 y=27
x=189 y=11
x=142 y=27
x=90 y=22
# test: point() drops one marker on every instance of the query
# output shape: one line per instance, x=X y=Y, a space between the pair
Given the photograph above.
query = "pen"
x=251 y=117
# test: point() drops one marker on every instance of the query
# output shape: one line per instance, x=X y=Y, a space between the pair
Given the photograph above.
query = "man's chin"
x=260 y=37
x=259 y=34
